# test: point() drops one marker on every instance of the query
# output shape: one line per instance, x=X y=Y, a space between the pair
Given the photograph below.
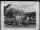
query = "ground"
x=21 y=26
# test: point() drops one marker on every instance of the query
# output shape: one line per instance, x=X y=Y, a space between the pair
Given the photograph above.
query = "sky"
x=25 y=6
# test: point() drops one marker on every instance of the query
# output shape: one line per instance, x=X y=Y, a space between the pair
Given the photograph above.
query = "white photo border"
x=2 y=19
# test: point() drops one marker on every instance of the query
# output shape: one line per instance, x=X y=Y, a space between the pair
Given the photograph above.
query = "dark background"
x=39 y=15
x=0 y=15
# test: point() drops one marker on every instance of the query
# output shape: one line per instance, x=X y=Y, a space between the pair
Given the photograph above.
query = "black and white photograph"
x=20 y=14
